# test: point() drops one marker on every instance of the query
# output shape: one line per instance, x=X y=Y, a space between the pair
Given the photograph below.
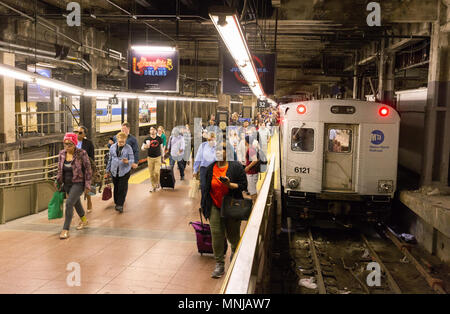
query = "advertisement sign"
x=234 y=83
x=34 y=91
x=147 y=112
x=153 y=71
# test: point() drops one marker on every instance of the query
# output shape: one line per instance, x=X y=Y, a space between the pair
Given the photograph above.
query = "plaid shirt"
x=80 y=162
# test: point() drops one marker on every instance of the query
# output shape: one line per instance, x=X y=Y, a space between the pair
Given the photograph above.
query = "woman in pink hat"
x=74 y=174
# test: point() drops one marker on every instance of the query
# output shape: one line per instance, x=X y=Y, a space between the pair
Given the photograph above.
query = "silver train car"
x=338 y=159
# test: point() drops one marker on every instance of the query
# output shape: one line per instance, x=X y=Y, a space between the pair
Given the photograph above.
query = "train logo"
x=377 y=137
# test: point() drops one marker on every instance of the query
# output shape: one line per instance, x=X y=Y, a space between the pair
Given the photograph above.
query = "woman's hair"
x=162 y=128
x=211 y=135
x=121 y=135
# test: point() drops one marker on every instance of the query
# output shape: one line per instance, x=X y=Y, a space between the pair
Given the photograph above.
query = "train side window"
x=302 y=139
x=340 y=140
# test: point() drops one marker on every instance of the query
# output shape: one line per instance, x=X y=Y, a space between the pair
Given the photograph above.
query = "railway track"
x=344 y=262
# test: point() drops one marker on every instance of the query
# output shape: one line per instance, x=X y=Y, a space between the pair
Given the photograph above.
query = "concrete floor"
x=150 y=248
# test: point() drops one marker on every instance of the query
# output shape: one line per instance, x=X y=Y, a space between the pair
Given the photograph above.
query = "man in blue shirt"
x=205 y=156
x=176 y=150
x=131 y=140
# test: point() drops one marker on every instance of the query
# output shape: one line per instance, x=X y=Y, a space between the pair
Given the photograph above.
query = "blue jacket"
x=132 y=141
x=115 y=162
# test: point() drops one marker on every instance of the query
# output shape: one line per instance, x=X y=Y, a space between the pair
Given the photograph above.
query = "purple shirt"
x=80 y=161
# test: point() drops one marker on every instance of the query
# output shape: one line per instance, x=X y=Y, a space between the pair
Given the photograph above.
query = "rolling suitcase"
x=167 y=179
x=203 y=235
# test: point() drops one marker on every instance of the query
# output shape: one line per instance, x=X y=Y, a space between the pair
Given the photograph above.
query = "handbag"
x=55 y=205
x=235 y=208
x=107 y=193
x=194 y=185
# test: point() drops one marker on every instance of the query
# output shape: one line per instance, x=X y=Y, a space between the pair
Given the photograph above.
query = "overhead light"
x=71 y=89
x=127 y=95
x=98 y=93
x=93 y=16
x=46 y=65
x=229 y=28
x=153 y=48
x=12 y=72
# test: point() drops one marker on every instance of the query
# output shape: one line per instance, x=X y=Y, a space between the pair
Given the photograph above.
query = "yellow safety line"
x=139 y=176
x=142 y=175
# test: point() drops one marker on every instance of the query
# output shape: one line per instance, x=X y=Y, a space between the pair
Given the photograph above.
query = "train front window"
x=302 y=139
x=340 y=140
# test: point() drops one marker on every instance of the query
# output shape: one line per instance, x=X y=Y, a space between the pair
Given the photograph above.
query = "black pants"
x=120 y=188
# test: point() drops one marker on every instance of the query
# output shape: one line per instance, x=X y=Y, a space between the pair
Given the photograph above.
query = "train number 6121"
x=301 y=170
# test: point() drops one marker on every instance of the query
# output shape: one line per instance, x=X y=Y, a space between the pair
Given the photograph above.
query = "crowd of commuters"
x=225 y=164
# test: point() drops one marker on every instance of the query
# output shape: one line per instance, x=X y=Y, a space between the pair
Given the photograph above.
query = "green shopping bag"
x=55 y=206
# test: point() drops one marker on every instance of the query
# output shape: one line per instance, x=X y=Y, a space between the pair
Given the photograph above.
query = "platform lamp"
x=227 y=24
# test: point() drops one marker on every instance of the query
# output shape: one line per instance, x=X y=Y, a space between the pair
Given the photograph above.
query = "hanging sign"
x=234 y=83
x=153 y=71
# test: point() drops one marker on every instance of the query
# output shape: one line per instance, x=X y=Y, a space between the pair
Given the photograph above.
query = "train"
x=338 y=160
x=110 y=113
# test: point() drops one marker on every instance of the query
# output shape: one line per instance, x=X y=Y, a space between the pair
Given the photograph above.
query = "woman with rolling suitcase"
x=222 y=178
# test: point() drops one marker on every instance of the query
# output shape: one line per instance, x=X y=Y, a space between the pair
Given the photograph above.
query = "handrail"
x=12 y=176
x=239 y=276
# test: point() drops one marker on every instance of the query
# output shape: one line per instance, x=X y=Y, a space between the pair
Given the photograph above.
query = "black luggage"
x=167 y=179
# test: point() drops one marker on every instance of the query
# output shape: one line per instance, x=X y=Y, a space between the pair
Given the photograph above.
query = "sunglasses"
x=68 y=144
x=79 y=132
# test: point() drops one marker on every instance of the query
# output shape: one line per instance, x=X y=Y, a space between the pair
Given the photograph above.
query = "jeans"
x=181 y=165
x=74 y=192
x=221 y=228
x=202 y=181
x=120 y=188
x=154 y=167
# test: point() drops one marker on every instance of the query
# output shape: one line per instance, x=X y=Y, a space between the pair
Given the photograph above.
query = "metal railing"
x=248 y=272
x=41 y=122
x=26 y=171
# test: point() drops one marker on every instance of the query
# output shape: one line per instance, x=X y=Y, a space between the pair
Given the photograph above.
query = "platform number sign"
x=262 y=104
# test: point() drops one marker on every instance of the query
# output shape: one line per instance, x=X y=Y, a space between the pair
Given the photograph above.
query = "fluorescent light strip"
x=19 y=74
x=153 y=48
x=98 y=93
x=14 y=73
x=234 y=39
x=71 y=89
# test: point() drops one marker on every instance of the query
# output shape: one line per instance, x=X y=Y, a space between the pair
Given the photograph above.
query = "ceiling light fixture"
x=229 y=28
x=153 y=48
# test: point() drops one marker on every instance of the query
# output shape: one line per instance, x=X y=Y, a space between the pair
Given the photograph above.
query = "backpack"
x=96 y=178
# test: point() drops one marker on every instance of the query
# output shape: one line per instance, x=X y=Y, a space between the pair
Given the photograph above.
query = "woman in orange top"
x=223 y=177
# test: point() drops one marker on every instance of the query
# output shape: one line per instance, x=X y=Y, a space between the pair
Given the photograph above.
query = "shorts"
x=252 y=181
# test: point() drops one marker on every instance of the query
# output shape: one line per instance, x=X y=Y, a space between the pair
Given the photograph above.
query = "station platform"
x=150 y=248
x=432 y=228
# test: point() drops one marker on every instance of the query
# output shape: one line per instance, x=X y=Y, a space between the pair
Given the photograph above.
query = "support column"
x=355 y=77
x=88 y=108
x=7 y=102
x=133 y=116
x=436 y=155
x=381 y=71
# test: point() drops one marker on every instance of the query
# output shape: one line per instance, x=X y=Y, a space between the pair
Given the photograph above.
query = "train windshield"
x=302 y=139
x=340 y=140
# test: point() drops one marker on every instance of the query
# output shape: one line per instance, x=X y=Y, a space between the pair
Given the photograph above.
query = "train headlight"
x=293 y=183
x=385 y=186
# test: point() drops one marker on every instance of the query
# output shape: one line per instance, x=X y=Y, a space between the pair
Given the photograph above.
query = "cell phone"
x=222 y=179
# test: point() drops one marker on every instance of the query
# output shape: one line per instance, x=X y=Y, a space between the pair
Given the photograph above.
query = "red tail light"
x=383 y=111
x=301 y=109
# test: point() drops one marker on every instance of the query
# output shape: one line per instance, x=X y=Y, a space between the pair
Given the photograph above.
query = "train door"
x=339 y=153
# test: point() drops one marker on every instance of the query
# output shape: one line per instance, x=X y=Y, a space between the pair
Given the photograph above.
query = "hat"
x=71 y=137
